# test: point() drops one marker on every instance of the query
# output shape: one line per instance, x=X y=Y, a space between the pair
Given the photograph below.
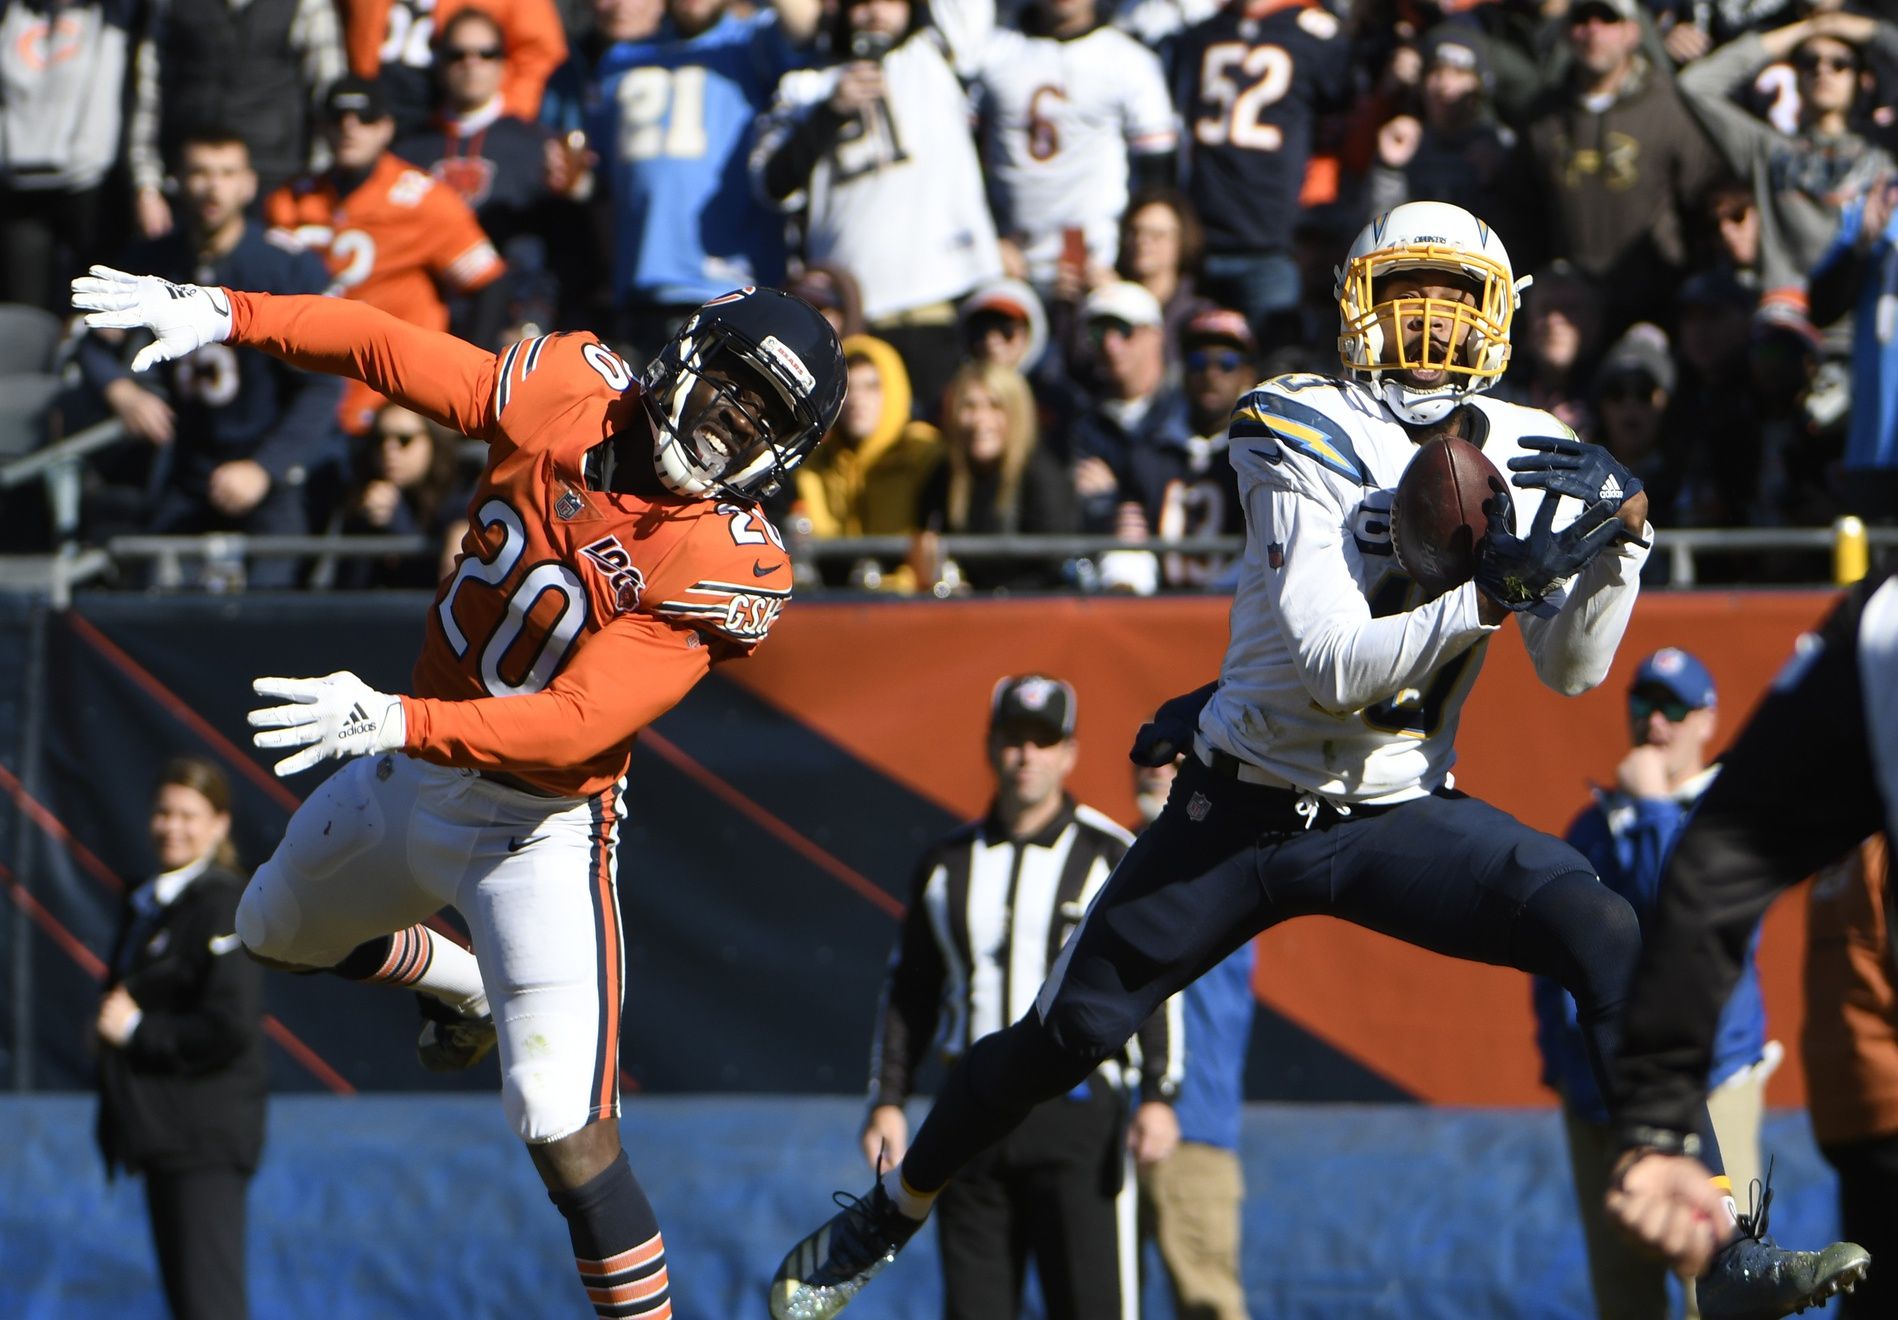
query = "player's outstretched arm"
x=625 y=677
x=438 y=375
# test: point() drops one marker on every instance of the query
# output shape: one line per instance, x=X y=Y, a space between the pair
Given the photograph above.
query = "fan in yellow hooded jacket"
x=867 y=476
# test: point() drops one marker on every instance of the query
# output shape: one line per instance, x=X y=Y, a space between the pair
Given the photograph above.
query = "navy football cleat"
x=450 y=1042
x=1753 y=1279
x=829 y=1268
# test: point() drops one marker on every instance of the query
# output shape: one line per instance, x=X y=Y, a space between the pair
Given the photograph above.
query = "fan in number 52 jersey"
x=615 y=554
x=1252 y=82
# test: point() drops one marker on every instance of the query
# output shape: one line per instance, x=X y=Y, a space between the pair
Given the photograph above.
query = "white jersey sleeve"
x=1147 y=116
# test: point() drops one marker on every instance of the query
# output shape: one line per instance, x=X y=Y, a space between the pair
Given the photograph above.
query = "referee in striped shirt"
x=990 y=908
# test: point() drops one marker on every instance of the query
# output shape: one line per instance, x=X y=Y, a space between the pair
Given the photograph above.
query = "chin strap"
x=1419 y=412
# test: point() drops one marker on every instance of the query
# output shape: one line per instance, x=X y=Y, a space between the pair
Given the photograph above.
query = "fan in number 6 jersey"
x=615 y=554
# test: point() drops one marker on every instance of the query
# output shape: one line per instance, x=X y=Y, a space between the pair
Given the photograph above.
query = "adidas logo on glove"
x=357 y=722
x=1610 y=489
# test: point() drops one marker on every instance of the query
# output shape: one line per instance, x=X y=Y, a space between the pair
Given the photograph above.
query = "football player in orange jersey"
x=390 y=234
x=615 y=553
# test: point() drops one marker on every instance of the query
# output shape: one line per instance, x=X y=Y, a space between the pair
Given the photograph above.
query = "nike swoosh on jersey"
x=515 y=842
x=761 y=569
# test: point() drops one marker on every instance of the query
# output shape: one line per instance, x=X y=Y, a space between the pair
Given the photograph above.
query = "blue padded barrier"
x=423 y=1206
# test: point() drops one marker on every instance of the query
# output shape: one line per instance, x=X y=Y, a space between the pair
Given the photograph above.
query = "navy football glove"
x=1564 y=465
x=1517 y=572
x=1170 y=732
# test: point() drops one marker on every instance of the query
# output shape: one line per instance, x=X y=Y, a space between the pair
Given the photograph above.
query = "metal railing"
x=61 y=467
x=221 y=556
x=1848 y=542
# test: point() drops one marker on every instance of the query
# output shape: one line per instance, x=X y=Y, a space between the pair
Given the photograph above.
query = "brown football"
x=1437 y=519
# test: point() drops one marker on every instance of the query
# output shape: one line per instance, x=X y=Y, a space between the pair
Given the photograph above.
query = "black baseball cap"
x=1036 y=700
x=361 y=97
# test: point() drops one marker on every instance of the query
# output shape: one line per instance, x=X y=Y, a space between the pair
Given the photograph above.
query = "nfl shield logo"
x=1197 y=806
x=1275 y=555
x=568 y=506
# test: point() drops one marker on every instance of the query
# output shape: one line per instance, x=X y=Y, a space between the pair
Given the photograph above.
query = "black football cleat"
x=449 y=1041
x=827 y=1269
x=1753 y=1279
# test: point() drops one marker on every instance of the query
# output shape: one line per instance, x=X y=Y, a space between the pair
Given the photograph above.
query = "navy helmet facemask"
x=747 y=388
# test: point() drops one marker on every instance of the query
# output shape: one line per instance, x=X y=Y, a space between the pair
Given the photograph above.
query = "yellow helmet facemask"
x=1477 y=349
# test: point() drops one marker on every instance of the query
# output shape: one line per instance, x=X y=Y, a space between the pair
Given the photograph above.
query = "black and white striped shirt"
x=987 y=916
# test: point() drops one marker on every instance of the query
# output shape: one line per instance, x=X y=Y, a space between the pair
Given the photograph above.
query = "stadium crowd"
x=1060 y=237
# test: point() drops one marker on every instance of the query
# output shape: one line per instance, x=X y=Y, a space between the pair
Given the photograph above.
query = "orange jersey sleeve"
x=627 y=675
x=457 y=250
x=437 y=375
x=730 y=579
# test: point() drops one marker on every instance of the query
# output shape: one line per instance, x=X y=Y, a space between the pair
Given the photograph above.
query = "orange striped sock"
x=632 y=1283
x=424 y=960
x=603 y=1217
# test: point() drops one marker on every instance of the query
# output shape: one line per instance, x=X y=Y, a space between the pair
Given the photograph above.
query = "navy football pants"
x=1226 y=860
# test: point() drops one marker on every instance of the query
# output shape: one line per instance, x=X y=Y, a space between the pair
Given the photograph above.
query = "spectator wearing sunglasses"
x=1183 y=482
x=1612 y=164
x=1801 y=179
x=1627 y=833
x=1729 y=239
x=1003 y=322
x=496 y=161
x=392 y=40
x=409 y=480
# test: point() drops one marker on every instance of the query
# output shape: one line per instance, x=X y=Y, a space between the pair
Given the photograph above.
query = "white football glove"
x=184 y=317
x=339 y=715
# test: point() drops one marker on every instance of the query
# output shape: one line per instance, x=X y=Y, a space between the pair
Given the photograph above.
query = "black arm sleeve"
x=1831 y=292
x=789 y=168
x=1154 y=169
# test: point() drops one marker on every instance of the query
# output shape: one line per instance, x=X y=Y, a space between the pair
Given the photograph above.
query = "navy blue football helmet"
x=750 y=384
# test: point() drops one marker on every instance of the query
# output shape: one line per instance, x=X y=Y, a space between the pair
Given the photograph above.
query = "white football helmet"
x=1427 y=236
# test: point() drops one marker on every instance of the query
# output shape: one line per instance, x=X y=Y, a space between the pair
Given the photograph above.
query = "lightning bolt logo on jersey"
x=1336 y=679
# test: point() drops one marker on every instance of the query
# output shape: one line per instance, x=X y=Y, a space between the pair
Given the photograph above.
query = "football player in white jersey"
x=1317 y=775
